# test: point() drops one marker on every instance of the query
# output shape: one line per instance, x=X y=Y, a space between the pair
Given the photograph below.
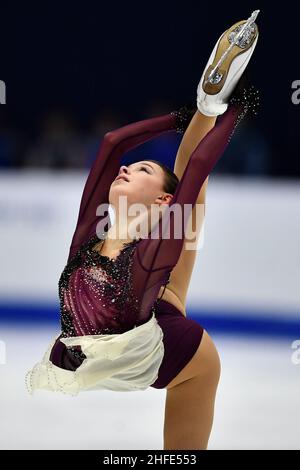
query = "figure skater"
x=122 y=298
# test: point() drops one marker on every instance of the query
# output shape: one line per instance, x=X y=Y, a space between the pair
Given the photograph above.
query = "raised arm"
x=106 y=167
x=156 y=255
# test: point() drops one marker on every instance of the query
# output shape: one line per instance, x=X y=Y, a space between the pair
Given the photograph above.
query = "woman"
x=123 y=317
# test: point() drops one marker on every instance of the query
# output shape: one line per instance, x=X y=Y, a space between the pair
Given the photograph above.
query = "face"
x=144 y=185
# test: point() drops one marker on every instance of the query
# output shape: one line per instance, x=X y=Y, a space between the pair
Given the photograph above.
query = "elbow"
x=111 y=138
x=108 y=135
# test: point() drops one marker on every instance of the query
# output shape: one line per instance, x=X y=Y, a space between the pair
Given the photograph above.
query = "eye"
x=144 y=168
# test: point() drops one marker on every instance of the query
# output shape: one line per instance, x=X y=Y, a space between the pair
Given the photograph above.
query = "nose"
x=123 y=169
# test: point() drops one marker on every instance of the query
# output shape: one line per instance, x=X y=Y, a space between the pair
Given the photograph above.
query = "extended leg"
x=190 y=400
x=197 y=129
x=189 y=411
x=180 y=276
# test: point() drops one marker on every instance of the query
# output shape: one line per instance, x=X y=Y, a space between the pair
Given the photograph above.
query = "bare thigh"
x=204 y=363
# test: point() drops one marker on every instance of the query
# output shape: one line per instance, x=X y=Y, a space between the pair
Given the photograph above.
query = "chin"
x=116 y=191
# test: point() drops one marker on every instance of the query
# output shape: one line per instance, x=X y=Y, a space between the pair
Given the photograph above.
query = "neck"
x=125 y=229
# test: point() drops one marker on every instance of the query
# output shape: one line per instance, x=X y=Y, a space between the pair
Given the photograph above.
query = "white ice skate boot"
x=225 y=66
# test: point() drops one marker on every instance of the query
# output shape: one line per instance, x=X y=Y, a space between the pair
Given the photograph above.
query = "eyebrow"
x=142 y=163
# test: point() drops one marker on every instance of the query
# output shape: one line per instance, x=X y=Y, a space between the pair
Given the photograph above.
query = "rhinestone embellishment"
x=108 y=281
x=247 y=101
x=245 y=39
x=183 y=117
x=215 y=78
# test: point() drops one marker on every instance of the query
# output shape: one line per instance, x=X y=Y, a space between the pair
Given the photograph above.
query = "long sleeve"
x=156 y=255
x=106 y=167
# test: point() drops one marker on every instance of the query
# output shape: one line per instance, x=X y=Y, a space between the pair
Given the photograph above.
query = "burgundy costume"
x=100 y=295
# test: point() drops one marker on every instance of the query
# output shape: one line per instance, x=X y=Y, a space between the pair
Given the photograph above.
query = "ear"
x=164 y=199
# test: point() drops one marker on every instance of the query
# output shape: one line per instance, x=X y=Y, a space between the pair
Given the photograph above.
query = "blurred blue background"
x=72 y=73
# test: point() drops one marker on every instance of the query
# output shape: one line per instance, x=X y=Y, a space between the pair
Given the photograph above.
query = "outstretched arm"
x=156 y=255
x=197 y=129
x=106 y=167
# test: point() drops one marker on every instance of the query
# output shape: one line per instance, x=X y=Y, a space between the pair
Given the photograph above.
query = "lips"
x=123 y=178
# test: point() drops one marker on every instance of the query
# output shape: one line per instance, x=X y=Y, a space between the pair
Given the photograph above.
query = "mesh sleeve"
x=156 y=255
x=106 y=167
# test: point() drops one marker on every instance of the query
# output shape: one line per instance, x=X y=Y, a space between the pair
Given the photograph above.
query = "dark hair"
x=170 y=179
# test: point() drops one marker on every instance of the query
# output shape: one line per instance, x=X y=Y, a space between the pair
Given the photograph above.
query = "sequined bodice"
x=95 y=292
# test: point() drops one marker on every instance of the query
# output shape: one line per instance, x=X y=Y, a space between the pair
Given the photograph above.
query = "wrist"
x=183 y=117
